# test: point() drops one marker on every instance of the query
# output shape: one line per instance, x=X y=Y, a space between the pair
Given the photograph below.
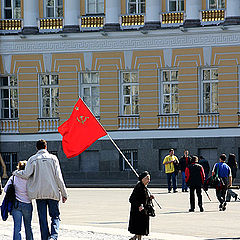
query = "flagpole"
x=123 y=155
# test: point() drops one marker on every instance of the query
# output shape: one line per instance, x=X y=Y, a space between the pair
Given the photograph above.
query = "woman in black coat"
x=139 y=220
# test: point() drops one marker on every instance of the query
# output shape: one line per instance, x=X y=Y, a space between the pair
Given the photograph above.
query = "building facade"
x=158 y=74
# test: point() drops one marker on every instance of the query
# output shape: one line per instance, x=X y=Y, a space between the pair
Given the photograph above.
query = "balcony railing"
x=172 y=18
x=208 y=120
x=9 y=126
x=128 y=122
x=48 y=124
x=168 y=121
x=12 y=25
x=132 y=21
x=50 y=24
x=91 y=22
x=212 y=16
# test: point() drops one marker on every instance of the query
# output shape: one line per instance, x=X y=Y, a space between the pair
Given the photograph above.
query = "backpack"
x=8 y=201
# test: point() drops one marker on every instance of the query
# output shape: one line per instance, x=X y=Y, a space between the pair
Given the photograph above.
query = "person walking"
x=22 y=208
x=184 y=161
x=195 y=178
x=232 y=163
x=223 y=171
x=139 y=220
x=204 y=162
x=169 y=162
x=45 y=183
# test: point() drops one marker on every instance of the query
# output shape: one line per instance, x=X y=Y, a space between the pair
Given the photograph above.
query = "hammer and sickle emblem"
x=82 y=119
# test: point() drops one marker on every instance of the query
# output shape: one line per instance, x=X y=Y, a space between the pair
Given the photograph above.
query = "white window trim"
x=208 y=7
x=92 y=84
x=89 y=13
x=17 y=87
x=12 y=7
x=121 y=104
x=161 y=97
x=167 y=4
x=201 y=105
x=54 y=9
x=40 y=94
x=137 y=8
x=131 y=160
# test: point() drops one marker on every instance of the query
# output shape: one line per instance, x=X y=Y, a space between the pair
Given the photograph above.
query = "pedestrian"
x=22 y=207
x=169 y=162
x=45 y=183
x=195 y=178
x=204 y=162
x=232 y=163
x=184 y=161
x=223 y=171
x=139 y=219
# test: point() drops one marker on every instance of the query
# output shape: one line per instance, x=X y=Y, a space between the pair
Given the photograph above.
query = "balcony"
x=11 y=25
x=91 y=22
x=50 y=24
x=128 y=122
x=48 y=124
x=210 y=17
x=172 y=19
x=132 y=21
x=167 y=121
x=208 y=120
x=9 y=126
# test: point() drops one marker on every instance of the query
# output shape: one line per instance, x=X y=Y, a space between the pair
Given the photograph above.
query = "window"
x=49 y=96
x=130 y=93
x=176 y=5
x=132 y=157
x=95 y=6
x=216 y=4
x=54 y=8
x=9 y=97
x=136 y=6
x=90 y=92
x=12 y=9
x=170 y=102
x=10 y=159
x=210 y=90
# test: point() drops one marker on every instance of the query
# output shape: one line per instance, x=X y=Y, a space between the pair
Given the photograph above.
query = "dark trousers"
x=171 y=177
x=192 y=196
x=221 y=191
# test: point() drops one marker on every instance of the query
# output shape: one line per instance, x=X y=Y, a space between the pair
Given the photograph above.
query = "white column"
x=113 y=12
x=233 y=12
x=71 y=15
x=153 y=10
x=31 y=15
x=193 y=8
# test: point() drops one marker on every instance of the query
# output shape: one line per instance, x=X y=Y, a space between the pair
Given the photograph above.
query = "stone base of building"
x=188 y=23
x=151 y=26
x=71 y=28
x=111 y=27
x=232 y=21
x=30 y=30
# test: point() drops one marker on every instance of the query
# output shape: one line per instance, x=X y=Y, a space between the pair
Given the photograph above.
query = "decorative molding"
x=42 y=44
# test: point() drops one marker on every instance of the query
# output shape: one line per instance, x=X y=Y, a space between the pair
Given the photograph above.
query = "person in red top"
x=195 y=178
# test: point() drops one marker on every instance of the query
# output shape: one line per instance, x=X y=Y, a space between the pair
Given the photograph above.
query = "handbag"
x=149 y=208
x=216 y=181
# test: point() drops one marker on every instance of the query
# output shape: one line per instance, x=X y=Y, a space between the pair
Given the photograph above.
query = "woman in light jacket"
x=139 y=220
x=22 y=209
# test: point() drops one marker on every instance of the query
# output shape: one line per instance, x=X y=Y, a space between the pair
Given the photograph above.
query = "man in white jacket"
x=45 y=183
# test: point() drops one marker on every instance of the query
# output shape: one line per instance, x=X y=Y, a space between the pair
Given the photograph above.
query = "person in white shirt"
x=22 y=209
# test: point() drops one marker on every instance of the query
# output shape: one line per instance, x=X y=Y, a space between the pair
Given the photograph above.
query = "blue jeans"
x=171 y=177
x=22 y=211
x=184 y=185
x=53 y=209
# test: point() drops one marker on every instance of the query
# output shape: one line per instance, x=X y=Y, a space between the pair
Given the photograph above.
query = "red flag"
x=80 y=131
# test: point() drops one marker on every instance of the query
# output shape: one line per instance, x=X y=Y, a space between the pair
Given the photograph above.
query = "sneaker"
x=175 y=191
x=186 y=190
x=224 y=206
x=169 y=191
x=220 y=207
x=201 y=209
x=191 y=210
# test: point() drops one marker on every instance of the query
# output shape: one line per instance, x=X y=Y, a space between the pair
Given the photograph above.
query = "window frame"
x=55 y=8
x=51 y=115
x=12 y=8
x=96 y=6
x=208 y=5
x=121 y=85
x=11 y=164
x=134 y=162
x=161 y=98
x=138 y=6
x=9 y=87
x=177 y=6
x=90 y=85
x=202 y=81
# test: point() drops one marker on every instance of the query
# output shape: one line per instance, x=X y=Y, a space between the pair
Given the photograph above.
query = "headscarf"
x=143 y=175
